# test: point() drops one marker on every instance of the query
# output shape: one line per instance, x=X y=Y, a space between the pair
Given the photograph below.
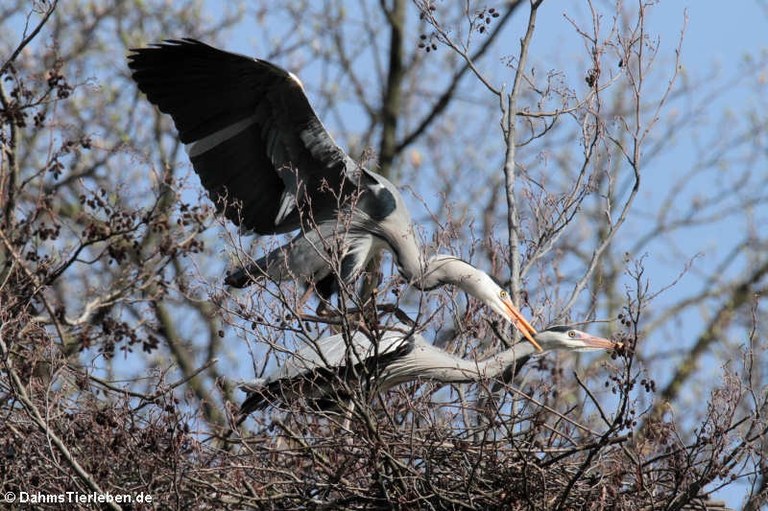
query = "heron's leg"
x=347 y=422
x=325 y=288
x=304 y=298
x=324 y=311
x=281 y=444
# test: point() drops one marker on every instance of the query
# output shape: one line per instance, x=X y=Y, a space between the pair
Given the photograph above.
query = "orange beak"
x=594 y=342
x=521 y=323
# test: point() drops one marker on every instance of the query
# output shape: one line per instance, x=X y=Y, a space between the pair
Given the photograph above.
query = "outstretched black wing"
x=250 y=132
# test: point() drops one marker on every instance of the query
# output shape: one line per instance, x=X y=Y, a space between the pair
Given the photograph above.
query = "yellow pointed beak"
x=521 y=323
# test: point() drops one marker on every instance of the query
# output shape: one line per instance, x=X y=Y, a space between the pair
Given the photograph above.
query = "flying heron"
x=399 y=356
x=270 y=165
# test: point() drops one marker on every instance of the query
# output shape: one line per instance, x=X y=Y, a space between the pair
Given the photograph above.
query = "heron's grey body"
x=271 y=167
x=316 y=371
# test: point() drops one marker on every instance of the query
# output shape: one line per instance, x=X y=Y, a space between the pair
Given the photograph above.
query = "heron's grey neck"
x=445 y=269
x=430 y=363
x=438 y=270
x=398 y=231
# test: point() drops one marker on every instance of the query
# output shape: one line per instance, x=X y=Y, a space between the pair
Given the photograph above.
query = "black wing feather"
x=206 y=90
x=320 y=387
x=246 y=195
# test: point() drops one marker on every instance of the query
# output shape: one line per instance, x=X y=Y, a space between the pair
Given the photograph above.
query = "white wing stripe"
x=205 y=144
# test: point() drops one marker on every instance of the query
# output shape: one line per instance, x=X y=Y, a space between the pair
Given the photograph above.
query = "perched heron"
x=270 y=165
x=399 y=356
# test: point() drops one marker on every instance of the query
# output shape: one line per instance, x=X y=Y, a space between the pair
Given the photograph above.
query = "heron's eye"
x=503 y=294
x=572 y=334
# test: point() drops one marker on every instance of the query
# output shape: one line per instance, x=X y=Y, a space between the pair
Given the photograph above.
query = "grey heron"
x=399 y=356
x=271 y=167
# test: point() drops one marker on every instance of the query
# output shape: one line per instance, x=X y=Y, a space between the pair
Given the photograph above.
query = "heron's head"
x=498 y=299
x=566 y=338
x=445 y=269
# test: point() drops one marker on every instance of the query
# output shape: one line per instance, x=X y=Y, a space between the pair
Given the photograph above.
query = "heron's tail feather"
x=259 y=396
x=243 y=277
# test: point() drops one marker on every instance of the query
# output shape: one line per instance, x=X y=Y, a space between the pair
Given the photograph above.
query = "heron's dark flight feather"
x=278 y=144
x=321 y=387
x=231 y=172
